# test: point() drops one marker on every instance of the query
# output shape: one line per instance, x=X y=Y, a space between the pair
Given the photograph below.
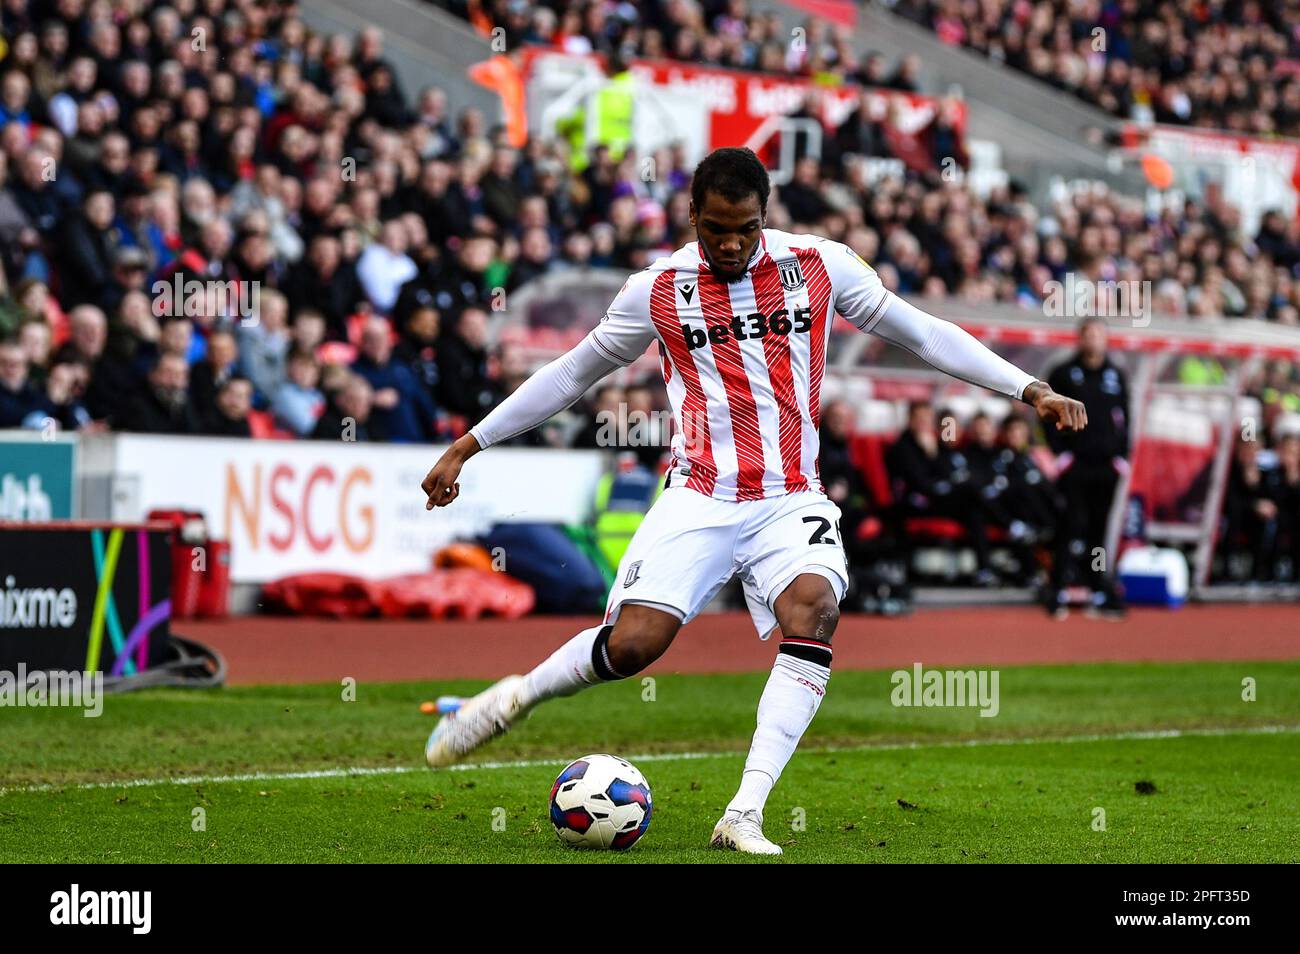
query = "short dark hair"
x=733 y=173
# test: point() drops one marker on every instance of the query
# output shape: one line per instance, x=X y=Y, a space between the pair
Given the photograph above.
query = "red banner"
x=739 y=102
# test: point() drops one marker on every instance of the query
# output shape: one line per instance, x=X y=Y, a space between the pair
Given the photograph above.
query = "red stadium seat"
x=1163 y=472
x=867 y=451
x=262 y=425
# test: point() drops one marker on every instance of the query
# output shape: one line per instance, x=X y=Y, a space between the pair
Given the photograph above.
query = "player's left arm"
x=862 y=299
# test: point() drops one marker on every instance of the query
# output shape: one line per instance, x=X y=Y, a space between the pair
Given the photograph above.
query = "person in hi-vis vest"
x=622 y=498
x=614 y=107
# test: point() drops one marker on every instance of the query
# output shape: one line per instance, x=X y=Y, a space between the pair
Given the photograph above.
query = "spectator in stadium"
x=163 y=406
x=229 y=417
x=384 y=266
x=37 y=191
x=1250 y=514
x=62 y=401
x=263 y=343
x=536 y=258
x=465 y=387
x=19 y=397
x=841 y=477
x=989 y=466
x=35 y=339
x=650 y=435
x=931 y=479
x=218 y=365
x=132 y=346
x=308 y=331
x=298 y=403
x=464 y=282
x=417 y=346
x=87 y=336
x=130 y=270
x=403 y=408
x=511 y=371
x=601 y=429
x=348 y=414
x=86 y=251
x=1030 y=496
x=325 y=283
x=803 y=196
x=1169 y=62
x=1090 y=465
x=1288 y=500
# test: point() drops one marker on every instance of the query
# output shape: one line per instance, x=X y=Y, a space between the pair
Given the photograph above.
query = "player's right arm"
x=620 y=338
x=862 y=299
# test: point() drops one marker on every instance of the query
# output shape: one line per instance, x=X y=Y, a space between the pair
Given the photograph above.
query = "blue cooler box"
x=1154 y=576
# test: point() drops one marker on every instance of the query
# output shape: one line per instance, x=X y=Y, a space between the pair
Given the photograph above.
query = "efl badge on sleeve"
x=860 y=259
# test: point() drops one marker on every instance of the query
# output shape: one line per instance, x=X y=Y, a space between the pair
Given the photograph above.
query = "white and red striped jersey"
x=743 y=361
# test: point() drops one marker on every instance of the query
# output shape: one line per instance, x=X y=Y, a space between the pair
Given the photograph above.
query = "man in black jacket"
x=1090 y=464
x=464 y=385
x=348 y=417
x=163 y=407
x=324 y=282
x=932 y=479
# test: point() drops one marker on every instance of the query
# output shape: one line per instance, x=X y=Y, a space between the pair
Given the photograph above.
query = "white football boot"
x=743 y=832
x=479 y=719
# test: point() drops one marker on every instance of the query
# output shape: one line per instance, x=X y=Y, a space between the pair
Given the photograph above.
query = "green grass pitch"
x=871 y=782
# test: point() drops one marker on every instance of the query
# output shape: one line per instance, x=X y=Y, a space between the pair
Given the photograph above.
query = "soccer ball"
x=600 y=801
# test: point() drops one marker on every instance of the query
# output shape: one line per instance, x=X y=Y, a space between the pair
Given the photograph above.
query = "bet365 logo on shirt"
x=756 y=324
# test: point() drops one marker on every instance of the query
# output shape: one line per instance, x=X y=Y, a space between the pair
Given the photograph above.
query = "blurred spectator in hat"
x=130 y=273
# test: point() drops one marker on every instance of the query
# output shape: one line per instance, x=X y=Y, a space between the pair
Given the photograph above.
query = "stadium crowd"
x=215 y=221
x=722 y=33
x=1226 y=65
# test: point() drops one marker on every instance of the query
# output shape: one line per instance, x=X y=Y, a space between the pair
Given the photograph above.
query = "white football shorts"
x=690 y=545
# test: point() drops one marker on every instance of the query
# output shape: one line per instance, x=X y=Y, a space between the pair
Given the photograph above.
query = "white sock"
x=581 y=662
x=793 y=693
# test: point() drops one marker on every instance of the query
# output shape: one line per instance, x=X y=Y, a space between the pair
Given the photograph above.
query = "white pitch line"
x=362 y=772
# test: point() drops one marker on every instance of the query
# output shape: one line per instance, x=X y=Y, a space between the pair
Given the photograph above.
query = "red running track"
x=260 y=649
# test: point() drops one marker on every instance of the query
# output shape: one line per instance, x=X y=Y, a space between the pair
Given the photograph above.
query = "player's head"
x=728 y=209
